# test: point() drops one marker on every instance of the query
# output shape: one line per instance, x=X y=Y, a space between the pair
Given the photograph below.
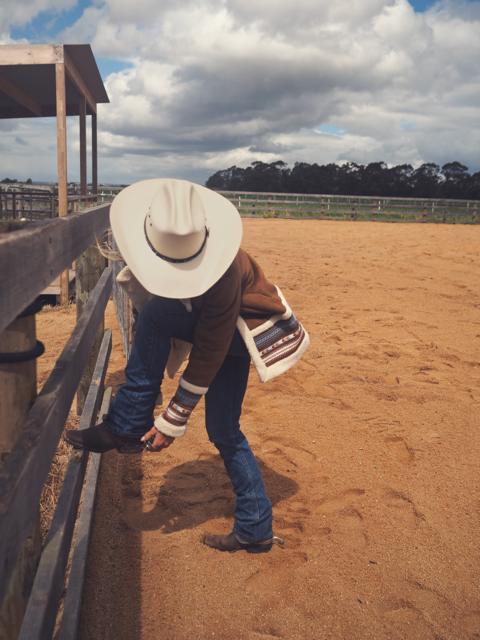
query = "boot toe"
x=97 y=439
x=231 y=543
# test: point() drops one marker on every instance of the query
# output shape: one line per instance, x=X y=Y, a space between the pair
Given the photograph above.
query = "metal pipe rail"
x=325 y=206
x=40 y=204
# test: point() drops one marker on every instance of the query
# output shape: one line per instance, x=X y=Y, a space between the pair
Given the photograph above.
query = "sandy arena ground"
x=370 y=451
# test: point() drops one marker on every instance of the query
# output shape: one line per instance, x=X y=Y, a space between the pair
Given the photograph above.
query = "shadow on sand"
x=194 y=493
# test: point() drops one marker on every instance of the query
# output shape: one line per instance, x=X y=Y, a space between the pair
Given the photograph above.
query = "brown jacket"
x=242 y=291
x=243 y=298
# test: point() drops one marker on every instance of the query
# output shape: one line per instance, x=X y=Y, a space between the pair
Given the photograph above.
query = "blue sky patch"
x=47 y=24
x=424 y=5
x=106 y=66
x=408 y=125
x=421 y=5
x=331 y=130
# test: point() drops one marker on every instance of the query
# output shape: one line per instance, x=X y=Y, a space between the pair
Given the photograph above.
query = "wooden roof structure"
x=41 y=80
x=27 y=80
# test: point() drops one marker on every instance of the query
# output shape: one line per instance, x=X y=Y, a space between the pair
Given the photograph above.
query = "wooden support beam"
x=32 y=257
x=88 y=269
x=18 y=389
x=83 y=146
x=13 y=54
x=61 y=102
x=26 y=469
x=79 y=82
x=94 y=155
x=18 y=381
x=20 y=96
x=48 y=587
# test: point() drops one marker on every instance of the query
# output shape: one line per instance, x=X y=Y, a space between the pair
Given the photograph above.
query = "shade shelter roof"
x=55 y=80
x=27 y=80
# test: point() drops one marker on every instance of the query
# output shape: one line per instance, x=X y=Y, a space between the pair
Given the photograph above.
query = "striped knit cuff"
x=173 y=421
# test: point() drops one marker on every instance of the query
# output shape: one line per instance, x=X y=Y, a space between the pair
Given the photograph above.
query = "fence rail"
x=29 y=258
x=32 y=257
x=41 y=204
x=39 y=619
x=324 y=206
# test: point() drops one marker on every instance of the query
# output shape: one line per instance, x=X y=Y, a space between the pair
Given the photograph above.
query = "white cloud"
x=20 y=12
x=216 y=82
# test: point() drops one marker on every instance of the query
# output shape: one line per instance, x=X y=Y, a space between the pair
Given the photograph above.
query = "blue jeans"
x=131 y=413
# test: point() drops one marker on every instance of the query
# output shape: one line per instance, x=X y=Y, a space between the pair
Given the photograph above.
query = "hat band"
x=175 y=260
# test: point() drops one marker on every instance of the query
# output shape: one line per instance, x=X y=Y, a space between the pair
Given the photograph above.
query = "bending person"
x=181 y=242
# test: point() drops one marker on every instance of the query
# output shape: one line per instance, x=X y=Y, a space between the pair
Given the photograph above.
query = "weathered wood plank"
x=123 y=309
x=18 y=389
x=18 y=381
x=61 y=102
x=73 y=599
x=26 y=468
x=31 y=258
x=39 y=619
x=30 y=54
x=89 y=267
x=94 y=154
x=83 y=146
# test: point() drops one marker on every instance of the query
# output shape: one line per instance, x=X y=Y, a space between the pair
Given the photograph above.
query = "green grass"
x=387 y=216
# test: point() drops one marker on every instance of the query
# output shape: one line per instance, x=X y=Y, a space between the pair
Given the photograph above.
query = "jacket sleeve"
x=211 y=340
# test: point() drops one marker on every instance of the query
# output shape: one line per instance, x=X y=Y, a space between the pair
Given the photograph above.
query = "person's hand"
x=160 y=440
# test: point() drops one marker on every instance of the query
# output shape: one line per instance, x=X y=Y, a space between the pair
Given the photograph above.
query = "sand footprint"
x=400 y=449
x=335 y=503
x=421 y=602
x=346 y=519
x=297 y=453
x=406 y=616
x=428 y=599
x=291 y=521
x=405 y=508
x=352 y=529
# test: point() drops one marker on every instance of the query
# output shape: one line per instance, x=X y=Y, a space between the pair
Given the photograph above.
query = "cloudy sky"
x=199 y=85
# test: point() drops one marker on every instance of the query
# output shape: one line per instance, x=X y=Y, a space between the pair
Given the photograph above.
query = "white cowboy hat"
x=177 y=237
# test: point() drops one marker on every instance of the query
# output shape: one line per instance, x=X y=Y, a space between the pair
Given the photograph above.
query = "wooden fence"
x=318 y=206
x=123 y=309
x=29 y=259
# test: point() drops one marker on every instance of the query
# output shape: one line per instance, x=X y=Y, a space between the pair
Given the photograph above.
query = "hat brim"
x=167 y=279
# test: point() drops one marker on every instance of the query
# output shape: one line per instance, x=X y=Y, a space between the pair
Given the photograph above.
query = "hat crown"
x=176 y=208
x=168 y=264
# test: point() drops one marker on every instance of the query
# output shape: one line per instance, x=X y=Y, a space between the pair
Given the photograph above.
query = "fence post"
x=18 y=389
x=88 y=269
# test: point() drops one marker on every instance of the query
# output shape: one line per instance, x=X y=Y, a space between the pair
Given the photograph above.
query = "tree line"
x=15 y=181
x=452 y=180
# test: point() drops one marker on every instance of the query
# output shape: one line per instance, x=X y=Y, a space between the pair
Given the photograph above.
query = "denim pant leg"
x=223 y=406
x=131 y=412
